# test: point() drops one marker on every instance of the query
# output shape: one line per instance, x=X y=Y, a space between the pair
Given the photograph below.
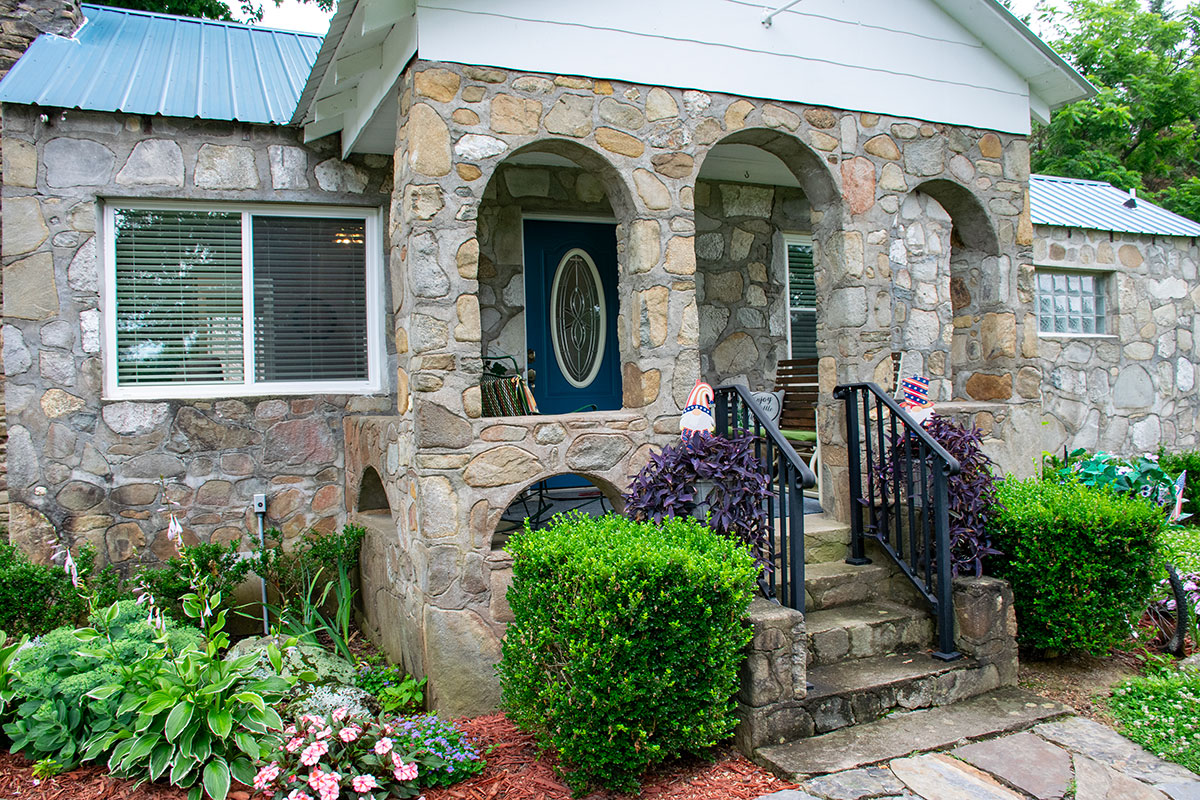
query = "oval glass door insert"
x=577 y=317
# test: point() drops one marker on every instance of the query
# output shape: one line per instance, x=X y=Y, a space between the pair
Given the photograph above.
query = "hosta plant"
x=343 y=754
x=190 y=716
x=729 y=472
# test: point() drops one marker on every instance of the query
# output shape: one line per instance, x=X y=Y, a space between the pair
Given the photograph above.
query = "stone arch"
x=371 y=494
x=974 y=292
x=550 y=177
x=526 y=499
x=741 y=252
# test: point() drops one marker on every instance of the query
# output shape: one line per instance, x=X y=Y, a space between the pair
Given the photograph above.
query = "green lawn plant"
x=37 y=598
x=626 y=641
x=396 y=690
x=224 y=566
x=190 y=715
x=1082 y=561
x=1161 y=712
x=8 y=652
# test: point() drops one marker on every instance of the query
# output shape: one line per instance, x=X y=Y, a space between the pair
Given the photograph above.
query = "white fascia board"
x=376 y=87
x=351 y=66
x=1050 y=77
x=325 y=57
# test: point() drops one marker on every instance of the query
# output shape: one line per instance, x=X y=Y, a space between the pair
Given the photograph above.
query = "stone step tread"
x=856 y=675
x=999 y=711
x=834 y=571
x=859 y=614
x=821 y=524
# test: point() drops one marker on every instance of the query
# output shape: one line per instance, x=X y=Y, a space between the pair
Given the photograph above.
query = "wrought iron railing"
x=906 y=505
x=788 y=476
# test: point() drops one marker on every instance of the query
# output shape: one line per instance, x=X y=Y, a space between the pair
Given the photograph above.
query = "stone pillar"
x=773 y=679
x=986 y=624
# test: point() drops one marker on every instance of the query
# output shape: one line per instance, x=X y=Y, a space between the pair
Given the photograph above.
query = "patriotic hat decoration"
x=915 y=391
x=697 y=419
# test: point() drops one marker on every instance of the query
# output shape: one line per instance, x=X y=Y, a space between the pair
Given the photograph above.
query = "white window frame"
x=1104 y=277
x=789 y=239
x=248 y=387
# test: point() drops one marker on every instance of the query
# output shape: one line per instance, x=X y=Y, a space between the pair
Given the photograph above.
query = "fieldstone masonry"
x=85 y=466
x=1130 y=390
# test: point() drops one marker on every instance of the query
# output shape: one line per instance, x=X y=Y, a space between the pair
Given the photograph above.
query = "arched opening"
x=765 y=208
x=371 y=494
x=549 y=228
x=961 y=283
x=541 y=500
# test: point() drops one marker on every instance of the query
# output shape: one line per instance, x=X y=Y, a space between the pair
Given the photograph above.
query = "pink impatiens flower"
x=405 y=772
x=296 y=794
x=340 y=714
x=294 y=744
x=349 y=733
x=364 y=783
x=383 y=746
x=312 y=754
x=266 y=776
x=324 y=733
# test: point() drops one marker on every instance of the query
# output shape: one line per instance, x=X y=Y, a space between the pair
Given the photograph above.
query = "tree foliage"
x=248 y=10
x=1140 y=130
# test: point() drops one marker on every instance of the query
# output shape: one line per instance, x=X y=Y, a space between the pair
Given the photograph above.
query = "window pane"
x=179 y=296
x=310 y=309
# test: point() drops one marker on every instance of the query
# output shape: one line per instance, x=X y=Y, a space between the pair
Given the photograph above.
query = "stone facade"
x=85 y=465
x=896 y=209
x=1131 y=390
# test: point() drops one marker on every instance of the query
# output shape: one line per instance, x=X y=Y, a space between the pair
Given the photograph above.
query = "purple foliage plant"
x=971 y=493
x=736 y=486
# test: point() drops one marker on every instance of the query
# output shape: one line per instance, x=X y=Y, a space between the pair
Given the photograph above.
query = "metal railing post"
x=854 y=450
x=945 y=587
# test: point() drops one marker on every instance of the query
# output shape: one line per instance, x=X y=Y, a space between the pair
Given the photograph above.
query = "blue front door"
x=571 y=315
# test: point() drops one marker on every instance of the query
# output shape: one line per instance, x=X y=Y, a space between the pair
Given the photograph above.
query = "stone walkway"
x=1070 y=758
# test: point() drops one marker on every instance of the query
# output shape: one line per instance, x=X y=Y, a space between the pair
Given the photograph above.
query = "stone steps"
x=1000 y=711
x=830 y=584
x=863 y=630
x=825 y=539
x=860 y=691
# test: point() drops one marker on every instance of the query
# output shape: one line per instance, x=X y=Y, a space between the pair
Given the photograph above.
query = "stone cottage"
x=255 y=261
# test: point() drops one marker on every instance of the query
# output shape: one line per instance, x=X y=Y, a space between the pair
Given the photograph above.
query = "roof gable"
x=143 y=63
x=967 y=62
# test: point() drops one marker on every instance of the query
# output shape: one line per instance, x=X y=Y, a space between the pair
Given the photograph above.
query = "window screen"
x=1071 y=302
x=802 y=300
x=310 y=309
x=179 y=296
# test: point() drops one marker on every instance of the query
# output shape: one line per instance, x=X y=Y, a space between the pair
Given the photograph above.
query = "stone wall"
x=1135 y=388
x=84 y=465
x=742 y=274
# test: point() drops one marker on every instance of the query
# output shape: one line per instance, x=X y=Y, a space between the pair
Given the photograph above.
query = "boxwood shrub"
x=1082 y=562
x=626 y=642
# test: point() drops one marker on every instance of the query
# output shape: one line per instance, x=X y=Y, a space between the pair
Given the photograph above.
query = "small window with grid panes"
x=1071 y=303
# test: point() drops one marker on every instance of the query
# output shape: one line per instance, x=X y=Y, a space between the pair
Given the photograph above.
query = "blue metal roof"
x=143 y=63
x=1096 y=205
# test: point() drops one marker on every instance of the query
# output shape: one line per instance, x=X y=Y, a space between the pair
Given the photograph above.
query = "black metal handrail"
x=788 y=476
x=907 y=474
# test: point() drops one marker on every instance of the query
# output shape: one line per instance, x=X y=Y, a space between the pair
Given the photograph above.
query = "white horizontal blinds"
x=310 y=304
x=179 y=296
x=802 y=300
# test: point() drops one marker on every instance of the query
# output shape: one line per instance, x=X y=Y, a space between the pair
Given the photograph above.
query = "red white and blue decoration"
x=697 y=419
x=915 y=391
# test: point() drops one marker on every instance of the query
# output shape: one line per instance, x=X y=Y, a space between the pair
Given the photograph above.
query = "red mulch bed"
x=514 y=772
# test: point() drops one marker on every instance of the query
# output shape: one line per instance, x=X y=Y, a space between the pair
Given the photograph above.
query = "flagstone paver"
x=1023 y=760
x=941 y=777
x=1045 y=763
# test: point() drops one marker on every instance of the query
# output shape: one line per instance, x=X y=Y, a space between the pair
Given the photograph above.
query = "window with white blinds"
x=206 y=303
x=802 y=298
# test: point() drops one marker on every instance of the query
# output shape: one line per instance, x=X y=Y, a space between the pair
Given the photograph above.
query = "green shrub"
x=626 y=641
x=1162 y=713
x=34 y=598
x=1081 y=561
x=172 y=581
x=54 y=716
x=1175 y=463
